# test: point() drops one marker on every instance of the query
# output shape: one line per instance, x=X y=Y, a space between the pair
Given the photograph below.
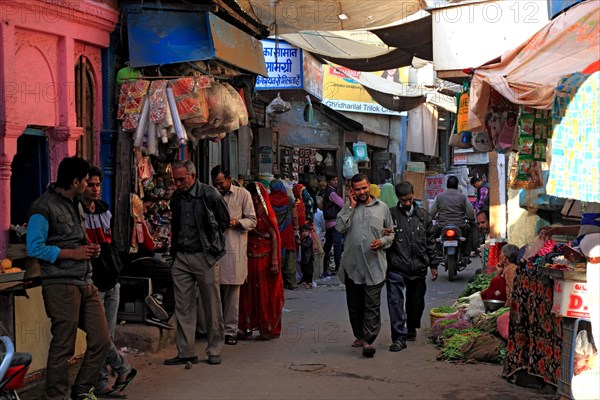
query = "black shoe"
x=411 y=336
x=155 y=304
x=368 y=351
x=398 y=345
x=181 y=360
x=214 y=360
x=156 y=322
x=230 y=340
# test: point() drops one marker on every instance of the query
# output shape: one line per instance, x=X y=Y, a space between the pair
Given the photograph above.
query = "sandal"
x=110 y=393
x=358 y=343
x=230 y=340
x=121 y=385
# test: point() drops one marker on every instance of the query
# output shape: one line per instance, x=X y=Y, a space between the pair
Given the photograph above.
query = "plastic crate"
x=570 y=329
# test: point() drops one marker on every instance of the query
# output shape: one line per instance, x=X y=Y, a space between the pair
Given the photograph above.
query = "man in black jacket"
x=412 y=252
x=199 y=220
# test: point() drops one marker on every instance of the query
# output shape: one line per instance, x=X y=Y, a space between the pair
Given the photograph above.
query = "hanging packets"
x=539 y=150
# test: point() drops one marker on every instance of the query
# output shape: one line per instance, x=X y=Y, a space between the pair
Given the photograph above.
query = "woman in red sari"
x=261 y=297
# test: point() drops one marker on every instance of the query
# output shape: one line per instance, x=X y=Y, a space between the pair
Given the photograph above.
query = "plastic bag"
x=350 y=168
x=584 y=351
x=360 y=151
x=278 y=106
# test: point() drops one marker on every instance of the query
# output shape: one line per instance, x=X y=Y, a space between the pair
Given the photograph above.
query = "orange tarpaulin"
x=528 y=74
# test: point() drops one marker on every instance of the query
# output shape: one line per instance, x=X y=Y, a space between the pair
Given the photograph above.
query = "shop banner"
x=312 y=70
x=284 y=66
x=434 y=185
x=341 y=92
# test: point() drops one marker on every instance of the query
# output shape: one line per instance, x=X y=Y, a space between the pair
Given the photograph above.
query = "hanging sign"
x=284 y=66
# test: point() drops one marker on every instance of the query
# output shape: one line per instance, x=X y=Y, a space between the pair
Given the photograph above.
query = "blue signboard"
x=555 y=7
x=284 y=66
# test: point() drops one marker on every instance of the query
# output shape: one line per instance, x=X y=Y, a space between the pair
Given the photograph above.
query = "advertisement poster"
x=342 y=93
x=312 y=70
x=284 y=66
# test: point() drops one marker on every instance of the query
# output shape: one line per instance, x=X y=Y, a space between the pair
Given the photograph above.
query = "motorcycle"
x=451 y=241
x=13 y=368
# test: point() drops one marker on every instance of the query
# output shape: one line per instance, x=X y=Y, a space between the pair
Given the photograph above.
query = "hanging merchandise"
x=526 y=171
x=128 y=74
x=142 y=123
x=223 y=114
x=350 y=168
x=131 y=101
x=481 y=142
x=190 y=100
x=179 y=130
x=278 y=106
x=239 y=103
x=360 y=151
x=461 y=136
x=508 y=130
x=308 y=110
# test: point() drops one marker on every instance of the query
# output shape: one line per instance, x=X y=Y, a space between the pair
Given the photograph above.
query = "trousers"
x=364 y=309
x=189 y=270
x=70 y=307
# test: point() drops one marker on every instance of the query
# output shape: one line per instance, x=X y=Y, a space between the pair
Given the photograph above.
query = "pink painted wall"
x=40 y=43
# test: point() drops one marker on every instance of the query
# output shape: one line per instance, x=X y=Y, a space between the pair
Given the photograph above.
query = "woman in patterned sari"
x=261 y=297
x=287 y=220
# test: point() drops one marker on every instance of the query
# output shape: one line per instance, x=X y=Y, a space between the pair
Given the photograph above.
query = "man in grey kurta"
x=363 y=265
x=234 y=265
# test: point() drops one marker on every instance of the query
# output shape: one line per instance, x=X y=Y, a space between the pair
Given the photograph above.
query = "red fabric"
x=300 y=207
x=281 y=202
x=261 y=297
x=502 y=325
x=593 y=67
x=496 y=290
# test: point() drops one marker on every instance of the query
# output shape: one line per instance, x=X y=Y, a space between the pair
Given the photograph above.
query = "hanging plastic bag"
x=278 y=106
x=360 y=151
x=349 y=169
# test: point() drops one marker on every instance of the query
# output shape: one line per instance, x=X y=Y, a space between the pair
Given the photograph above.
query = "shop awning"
x=166 y=37
x=401 y=97
x=393 y=47
x=529 y=74
x=288 y=16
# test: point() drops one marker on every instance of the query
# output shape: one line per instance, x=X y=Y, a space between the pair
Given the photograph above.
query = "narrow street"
x=314 y=359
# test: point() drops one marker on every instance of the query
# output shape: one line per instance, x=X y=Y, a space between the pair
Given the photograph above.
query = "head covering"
x=374 y=190
x=330 y=176
x=388 y=195
x=281 y=205
x=297 y=190
x=259 y=189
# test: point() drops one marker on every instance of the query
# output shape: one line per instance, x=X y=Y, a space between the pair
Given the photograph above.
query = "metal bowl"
x=493 y=305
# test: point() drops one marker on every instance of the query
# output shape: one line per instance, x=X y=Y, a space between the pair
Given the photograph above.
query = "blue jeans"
x=114 y=359
x=406 y=302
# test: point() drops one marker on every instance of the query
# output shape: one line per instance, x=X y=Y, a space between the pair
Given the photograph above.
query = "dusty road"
x=314 y=360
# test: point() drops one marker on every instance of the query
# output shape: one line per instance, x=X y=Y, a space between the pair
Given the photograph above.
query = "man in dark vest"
x=56 y=236
x=332 y=204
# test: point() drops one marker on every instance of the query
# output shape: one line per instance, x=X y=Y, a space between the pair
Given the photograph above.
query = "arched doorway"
x=84 y=107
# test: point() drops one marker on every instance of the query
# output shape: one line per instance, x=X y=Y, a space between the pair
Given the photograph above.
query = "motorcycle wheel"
x=451 y=264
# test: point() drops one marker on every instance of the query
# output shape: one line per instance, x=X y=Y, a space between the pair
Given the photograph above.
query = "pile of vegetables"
x=443 y=310
x=452 y=346
x=480 y=282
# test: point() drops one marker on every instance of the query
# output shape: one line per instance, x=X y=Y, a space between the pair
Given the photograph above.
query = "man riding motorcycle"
x=451 y=207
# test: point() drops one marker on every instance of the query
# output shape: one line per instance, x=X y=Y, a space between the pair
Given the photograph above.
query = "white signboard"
x=284 y=66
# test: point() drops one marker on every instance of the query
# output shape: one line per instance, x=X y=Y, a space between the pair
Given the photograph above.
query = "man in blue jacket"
x=56 y=236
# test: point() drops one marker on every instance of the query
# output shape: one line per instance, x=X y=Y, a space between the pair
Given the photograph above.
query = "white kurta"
x=233 y=267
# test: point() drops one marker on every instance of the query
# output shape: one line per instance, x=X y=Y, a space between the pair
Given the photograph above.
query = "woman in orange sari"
x=261 y=297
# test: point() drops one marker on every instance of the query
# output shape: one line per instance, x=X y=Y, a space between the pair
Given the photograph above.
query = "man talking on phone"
x=363 y=220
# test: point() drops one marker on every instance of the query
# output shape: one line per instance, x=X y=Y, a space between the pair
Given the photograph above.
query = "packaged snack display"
x=526 y=145
x=539 y=150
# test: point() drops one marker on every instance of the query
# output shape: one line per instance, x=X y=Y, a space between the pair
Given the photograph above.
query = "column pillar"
x=9 y=133
x=62 y=142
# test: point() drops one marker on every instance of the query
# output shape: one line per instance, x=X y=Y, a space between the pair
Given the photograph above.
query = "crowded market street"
x=313 y=359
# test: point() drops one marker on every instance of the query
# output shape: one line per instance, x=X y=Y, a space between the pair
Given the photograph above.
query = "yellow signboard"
x=341 y=92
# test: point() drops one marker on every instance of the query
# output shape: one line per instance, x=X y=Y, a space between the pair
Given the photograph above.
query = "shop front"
x=51 y=89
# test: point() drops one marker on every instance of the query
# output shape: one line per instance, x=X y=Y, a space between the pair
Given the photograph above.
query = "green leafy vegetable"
x=480 y=282
x=444 y=310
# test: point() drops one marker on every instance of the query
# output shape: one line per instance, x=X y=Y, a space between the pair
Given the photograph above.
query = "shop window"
x=84 y=106
x=30 y=173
